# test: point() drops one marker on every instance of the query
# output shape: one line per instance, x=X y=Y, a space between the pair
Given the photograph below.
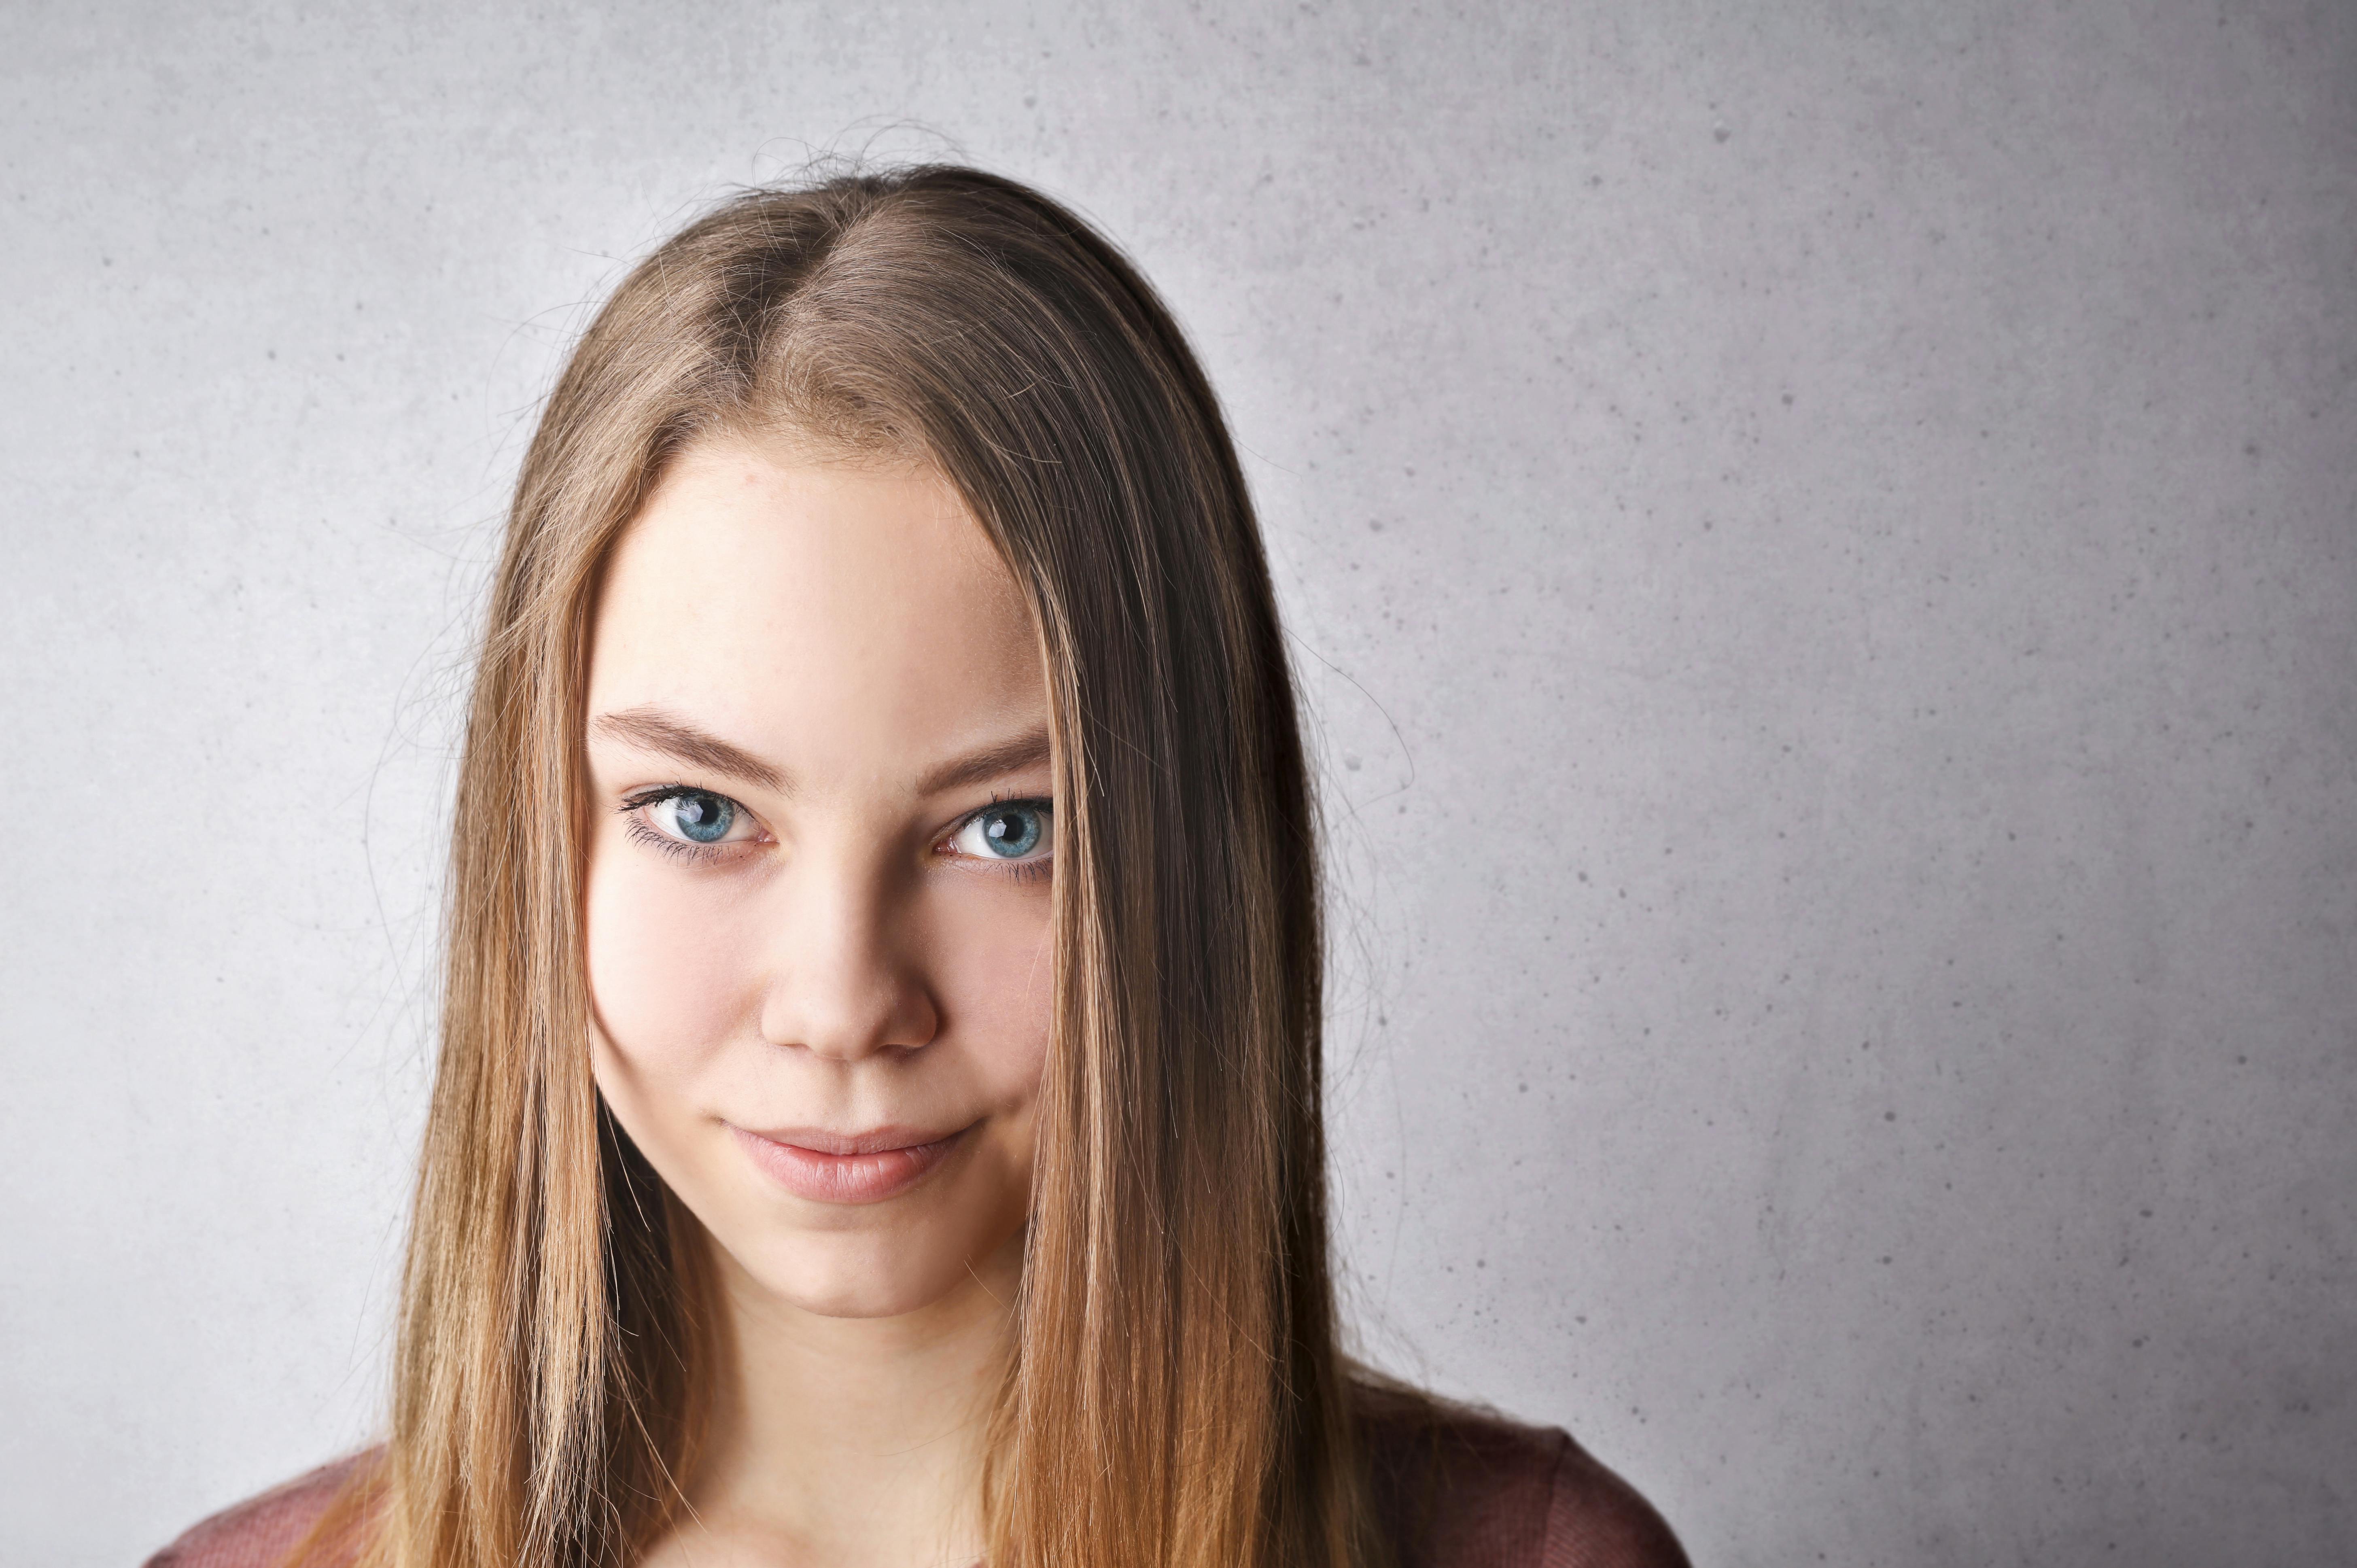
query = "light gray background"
x=1823 y=542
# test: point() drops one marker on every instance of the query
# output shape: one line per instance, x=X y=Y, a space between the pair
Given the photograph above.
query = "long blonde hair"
x=1175 y=1395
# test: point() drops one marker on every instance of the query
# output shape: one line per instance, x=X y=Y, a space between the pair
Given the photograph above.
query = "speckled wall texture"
x=1821 y=542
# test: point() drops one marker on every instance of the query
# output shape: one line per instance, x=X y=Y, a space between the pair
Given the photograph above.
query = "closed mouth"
x=848 y=1168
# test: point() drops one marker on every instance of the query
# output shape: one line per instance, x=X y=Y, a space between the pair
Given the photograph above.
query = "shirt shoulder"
x=1457 y=1487
x=259 y=1531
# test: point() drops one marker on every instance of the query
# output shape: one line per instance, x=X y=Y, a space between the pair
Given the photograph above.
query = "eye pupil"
x=1014 y=832
x=703 y=818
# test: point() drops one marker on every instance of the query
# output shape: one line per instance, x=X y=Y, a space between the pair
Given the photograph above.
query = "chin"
x=836 y=1275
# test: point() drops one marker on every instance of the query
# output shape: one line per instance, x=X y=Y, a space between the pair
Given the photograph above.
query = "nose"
x=844 y=984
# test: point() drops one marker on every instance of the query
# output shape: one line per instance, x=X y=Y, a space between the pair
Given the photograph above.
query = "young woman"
x=879 y=1121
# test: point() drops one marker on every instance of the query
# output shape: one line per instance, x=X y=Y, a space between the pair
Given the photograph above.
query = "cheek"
x=673 y=967
x=994 y=967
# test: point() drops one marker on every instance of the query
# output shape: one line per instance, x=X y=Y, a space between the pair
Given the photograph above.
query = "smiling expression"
x=818 y=898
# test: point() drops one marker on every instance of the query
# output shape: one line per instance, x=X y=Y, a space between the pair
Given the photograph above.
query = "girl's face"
x=819 y=868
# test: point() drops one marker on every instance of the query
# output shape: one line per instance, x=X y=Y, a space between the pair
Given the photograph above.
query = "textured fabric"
x=1461 y=1488
x=1454 y=1488
x=259 y=1531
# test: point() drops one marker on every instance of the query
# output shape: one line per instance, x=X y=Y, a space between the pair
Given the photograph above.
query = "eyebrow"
x=1026 y=750
x=652 y=729
x=657 y=730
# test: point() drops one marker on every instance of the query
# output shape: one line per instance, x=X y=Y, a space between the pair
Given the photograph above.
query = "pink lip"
x=835 y=1168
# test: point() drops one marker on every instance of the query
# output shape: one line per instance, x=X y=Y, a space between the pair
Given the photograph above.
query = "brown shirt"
x=1453 y=1489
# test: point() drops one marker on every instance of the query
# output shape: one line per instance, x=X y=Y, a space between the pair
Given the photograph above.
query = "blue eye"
x=1011 y=831
x=686 y=817
x=703 y=818
x=1016 y=830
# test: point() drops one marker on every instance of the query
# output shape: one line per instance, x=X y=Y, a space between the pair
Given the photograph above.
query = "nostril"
x=897 y=1023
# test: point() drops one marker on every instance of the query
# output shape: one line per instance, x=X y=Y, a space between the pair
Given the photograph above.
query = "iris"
x=1014 y=831
x=702 y=818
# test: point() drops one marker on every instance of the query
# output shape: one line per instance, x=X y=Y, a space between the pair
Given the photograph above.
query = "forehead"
x=832 y=616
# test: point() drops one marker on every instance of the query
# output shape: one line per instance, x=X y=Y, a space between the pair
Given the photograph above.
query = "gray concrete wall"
x=1823 y=539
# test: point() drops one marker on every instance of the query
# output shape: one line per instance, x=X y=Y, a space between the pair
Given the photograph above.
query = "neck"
x=850 y=1442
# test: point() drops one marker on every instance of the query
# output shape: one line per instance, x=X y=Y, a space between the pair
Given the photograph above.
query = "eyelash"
x=1021 y=870
x=696 y=854
x=642 y=833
